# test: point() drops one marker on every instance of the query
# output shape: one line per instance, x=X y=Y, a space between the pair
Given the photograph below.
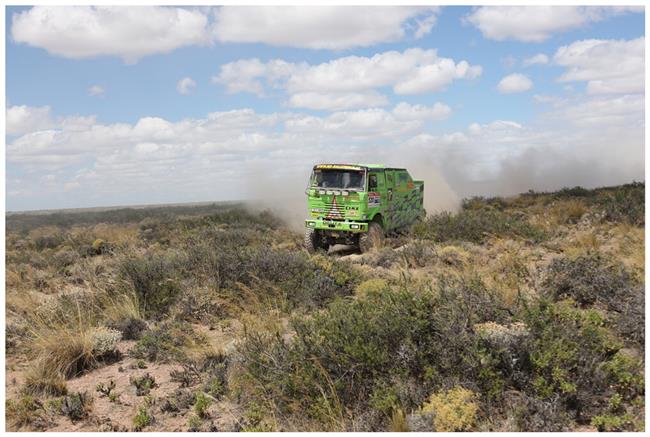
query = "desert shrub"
x=590 y=281
x=489 y=203
x=168 y=341
x=48 y=238
x=131 y=328
x=453 y=256
x=453 y=410
x=623 y=204
x=106 y=389
x=76 y=406
x=567 y=347
x=143 y=384
x=370 y=286
x=27 y=410
x=179 y=400
x=475 y=226
x=533 y=414
x=568 y=211
x=39 y=379
x=418 y=254
x=100 y=247
x=142 y=419
x=271 y=273
x=201 y=404
x=587 y=280
x=155 y=280
x=384 y=351
x=63 y=258
x=625 y=373
x=74 y=348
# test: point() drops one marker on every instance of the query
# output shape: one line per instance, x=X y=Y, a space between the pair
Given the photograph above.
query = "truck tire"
x=373 y=239
x=311 y=242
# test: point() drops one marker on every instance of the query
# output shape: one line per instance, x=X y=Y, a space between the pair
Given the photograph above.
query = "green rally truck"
x=357 y=204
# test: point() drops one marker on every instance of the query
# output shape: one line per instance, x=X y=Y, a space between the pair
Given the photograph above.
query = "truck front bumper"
x=337 y=225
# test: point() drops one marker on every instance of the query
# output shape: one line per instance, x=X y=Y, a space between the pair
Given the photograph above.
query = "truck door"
x=390 y=199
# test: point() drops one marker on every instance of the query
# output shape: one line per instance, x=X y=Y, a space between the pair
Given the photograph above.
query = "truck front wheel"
x=311 y=240
x=373 y=239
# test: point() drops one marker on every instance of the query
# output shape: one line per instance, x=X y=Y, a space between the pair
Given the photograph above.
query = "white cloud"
x=438 y=111
x=128 y=32
x=413 y=71
x=590 y=140
x=96 y=91
x=539 y=58
x=185 y=85
x=537 y=23
x=608 y=66
x=322 y=27
x=337 y=101
x=132 y=32
x=24 y=119
x=623 y=110
x=514 y=83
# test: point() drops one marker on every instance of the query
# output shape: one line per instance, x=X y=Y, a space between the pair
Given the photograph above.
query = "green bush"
x=155 y=280
x=623 y=204
x=271 y=273
x=169 y=341
x=384 y=351
x=201 y=404
x=566 y=351
x=142 y=419
x=143 y=384
x=591 y=282
x=475 y=226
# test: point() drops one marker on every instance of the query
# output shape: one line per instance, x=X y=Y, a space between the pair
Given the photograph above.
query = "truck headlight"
x=354 y=226
x=312 y=224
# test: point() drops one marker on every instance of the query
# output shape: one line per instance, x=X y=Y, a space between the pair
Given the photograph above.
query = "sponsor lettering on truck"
x=357 y=204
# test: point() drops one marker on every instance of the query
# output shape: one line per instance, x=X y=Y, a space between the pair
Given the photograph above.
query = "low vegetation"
x=511 y=314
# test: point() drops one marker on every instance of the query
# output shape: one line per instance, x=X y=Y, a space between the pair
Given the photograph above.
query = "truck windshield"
x=339 y=179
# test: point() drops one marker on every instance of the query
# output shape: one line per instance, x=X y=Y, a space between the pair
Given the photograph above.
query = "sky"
x=142 y=105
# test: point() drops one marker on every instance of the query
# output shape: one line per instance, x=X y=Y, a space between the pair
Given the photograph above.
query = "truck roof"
x=358 y=166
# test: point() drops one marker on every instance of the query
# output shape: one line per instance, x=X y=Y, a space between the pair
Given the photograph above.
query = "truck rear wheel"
x=373 y=239
x=311 y=240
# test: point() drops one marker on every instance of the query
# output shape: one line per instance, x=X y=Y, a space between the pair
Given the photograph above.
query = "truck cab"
x=357 y=204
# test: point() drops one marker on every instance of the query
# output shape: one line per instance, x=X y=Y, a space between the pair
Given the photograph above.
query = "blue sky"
x=96 y=115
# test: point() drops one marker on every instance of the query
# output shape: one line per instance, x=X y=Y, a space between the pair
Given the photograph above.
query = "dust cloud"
x=281 y=192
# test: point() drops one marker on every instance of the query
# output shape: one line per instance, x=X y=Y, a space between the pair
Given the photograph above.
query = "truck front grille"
x=334 y=210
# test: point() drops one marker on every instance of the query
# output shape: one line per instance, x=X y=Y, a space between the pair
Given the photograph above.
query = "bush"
x=76 y=406
x=71 y=350
x=591 y=282
x=624 y=204
x=587 y=280
x=25 y=411
x=155 y=281
x=168 y=341
x=370 y=286
x=143 y=384
x=201 y=404
x=384 y=351
x=452 y=410
x=142 y=419
x=40 y=379
x=273 y=274
x=475 y=226
x=567 y=348
x=131 y=328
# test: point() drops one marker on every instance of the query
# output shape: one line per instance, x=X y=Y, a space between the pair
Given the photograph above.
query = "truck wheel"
x=311 y=242
x=373 y=239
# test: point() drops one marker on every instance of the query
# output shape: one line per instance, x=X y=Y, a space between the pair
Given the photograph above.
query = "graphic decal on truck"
x=374 y=199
